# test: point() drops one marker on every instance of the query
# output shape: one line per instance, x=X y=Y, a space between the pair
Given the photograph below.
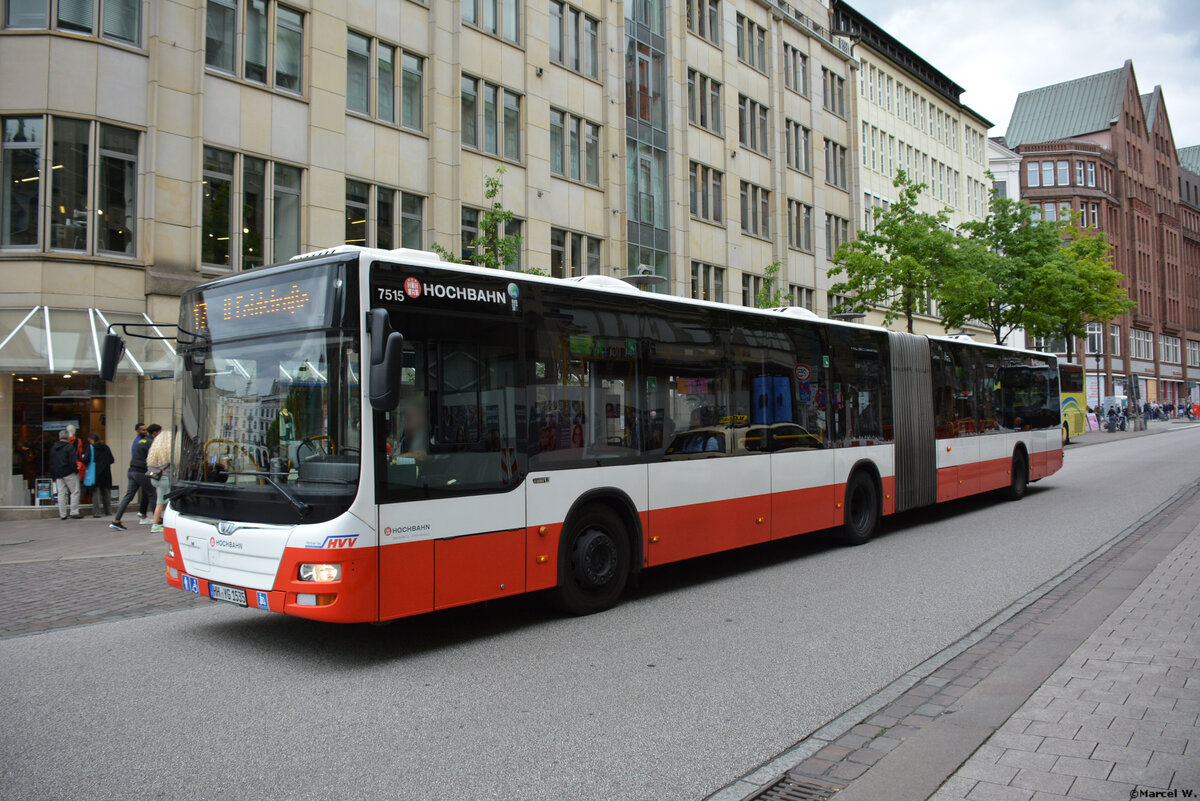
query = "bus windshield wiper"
x=300 y=506
x=179 y=492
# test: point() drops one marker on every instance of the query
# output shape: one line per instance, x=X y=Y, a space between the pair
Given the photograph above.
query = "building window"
x=751 y=286
x=574 y=147
x=1142 y=344
x=704 y=19
x=1095 y=333
x=1047 y=173
x=1079 y=173
x=1193 y=353
x=1049 y=344
x=800 y=225
x=708 y=282
x=574 y=39
x=801 y=296
x=645 y=99
x=752 y=124
x=272 y=42
x=706 y=192
x=573 y=254
x=795 y=69
x=834 y=92
x=837 y=231
x=491 y=118
x=244 y=198
x=646 y=183
x=120 y=20
x=498 y=17
x=1064 y=173
x=756 y=210
x=751 y=43
x=1031 y=174
x=704 y=101
x=1114 y=340
x=472 y=230
x=358 y=73
x=798 y=145
x=79 y=182
x=359 y=65
x=1170 y=349
x=1091 y=173
x=835 y=164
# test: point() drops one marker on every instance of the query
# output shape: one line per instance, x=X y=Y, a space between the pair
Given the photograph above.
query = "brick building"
x=1098 y=147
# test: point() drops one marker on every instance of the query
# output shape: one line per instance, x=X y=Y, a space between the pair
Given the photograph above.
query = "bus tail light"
x=320 y=572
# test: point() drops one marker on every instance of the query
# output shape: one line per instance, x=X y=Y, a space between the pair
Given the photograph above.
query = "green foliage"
x=491 y=248
x=1048 y=278
x=898 y=264
x=772 y=294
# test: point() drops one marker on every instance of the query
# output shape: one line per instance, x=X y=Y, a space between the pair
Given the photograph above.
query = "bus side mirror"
x=387 y=359
x=194 y=365
x=110 y=355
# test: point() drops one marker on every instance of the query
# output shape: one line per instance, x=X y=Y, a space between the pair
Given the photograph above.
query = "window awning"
x=46 y=340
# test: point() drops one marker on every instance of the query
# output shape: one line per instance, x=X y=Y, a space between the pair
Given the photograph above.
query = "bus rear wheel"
x=1015 y=491
x=861 y=510
x=594 y=560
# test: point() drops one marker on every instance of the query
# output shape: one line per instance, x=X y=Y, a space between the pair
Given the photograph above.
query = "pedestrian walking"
x=143 y=501
x=65 y=472
x=136 y=477
x=158 y=467
x=100 y=462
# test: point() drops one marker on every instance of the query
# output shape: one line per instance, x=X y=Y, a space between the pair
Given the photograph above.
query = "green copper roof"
x=1189 y=157
x=1073 y=108
x=1150 y=107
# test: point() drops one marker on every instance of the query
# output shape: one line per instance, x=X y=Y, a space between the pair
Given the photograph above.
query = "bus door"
x=587 y=425
x=710 y=470
x=449 y=465
x=792 y=407
x=957 y=425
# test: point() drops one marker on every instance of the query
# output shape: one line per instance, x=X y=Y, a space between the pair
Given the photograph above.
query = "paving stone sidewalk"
x=1119 y=719
x=891 y=741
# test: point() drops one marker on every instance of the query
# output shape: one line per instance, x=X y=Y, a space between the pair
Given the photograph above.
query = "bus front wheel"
x=594 y=559
x=861 y=510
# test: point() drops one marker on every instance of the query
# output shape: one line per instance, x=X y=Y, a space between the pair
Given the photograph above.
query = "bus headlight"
x=320 y=572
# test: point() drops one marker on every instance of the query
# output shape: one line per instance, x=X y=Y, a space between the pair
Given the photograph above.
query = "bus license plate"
x=231 y=594
x=190 y=583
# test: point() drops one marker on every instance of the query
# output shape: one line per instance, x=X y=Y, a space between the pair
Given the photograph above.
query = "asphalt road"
x=708 y=669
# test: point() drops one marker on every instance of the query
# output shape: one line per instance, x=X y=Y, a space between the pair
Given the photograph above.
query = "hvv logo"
x=339 y=542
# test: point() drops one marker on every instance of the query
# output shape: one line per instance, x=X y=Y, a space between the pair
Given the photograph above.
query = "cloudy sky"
x=995 y=50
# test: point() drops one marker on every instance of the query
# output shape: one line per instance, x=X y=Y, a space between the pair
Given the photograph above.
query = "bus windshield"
x=269 y=424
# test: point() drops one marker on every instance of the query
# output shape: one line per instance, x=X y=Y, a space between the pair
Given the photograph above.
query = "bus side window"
x=859 y=396
x=688 y=393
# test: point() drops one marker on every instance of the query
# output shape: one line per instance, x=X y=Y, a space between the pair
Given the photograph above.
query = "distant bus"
x=364 y=435
x=1074 y=400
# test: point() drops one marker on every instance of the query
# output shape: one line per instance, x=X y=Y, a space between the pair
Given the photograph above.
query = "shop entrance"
x=42 y=406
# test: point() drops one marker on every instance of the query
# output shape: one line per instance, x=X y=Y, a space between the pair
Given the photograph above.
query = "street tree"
x=897 y=264
x=1014 y=273
x=772 y=294
x=494 y=247
x=1078 y=286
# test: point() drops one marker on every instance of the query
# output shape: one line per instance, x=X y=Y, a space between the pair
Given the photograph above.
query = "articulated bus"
x=1074 y=400
x=364 y=435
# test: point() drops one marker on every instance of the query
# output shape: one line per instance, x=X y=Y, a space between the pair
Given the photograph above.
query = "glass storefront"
x=49 y=379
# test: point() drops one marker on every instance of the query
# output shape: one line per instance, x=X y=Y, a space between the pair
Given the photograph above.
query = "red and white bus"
x=364 y=435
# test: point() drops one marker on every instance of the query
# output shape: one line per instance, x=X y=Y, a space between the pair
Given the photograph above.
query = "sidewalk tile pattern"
x=1119 y=716
x=1049 y=730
